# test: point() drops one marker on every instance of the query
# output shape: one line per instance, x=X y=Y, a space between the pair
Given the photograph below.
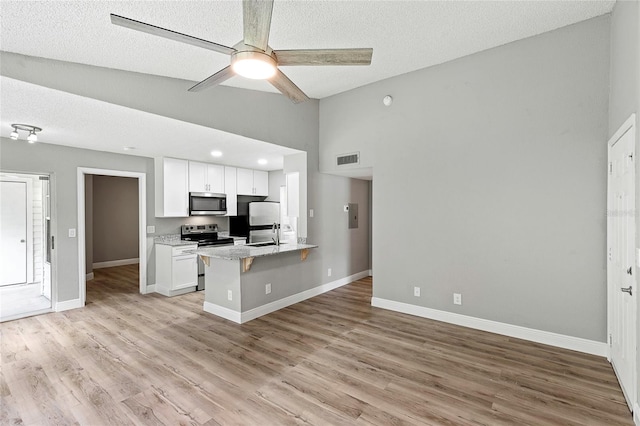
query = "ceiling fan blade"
x=287 y=88
x=324 y=57
x=213 y=80
x=171 y=35
x=257 y=21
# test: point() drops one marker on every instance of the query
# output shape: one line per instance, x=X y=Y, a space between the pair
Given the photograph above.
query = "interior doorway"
x=621 y=264
x=82 y=228
x=25 y=252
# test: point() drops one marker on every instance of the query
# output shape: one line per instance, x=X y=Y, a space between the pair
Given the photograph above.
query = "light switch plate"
x=151 y=229
x=72 y=232
x=310 y=212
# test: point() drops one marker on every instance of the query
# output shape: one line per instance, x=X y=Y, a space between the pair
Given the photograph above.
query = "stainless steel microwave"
x=207 y=204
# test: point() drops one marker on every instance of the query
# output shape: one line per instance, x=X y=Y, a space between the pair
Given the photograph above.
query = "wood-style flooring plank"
x=127 y=358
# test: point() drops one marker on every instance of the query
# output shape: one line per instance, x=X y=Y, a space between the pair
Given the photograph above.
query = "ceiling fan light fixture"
x=14 y=135
x=253 y=65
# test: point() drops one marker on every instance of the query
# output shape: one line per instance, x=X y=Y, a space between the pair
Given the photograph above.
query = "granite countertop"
x=243 y=252
x=176 y=243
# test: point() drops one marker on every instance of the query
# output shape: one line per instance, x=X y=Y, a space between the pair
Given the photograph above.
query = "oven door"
x=207 y=204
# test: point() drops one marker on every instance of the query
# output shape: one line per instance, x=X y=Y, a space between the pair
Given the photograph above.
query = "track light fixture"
x=32 y=138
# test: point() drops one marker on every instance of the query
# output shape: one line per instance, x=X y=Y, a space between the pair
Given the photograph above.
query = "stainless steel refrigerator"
x=262 y=216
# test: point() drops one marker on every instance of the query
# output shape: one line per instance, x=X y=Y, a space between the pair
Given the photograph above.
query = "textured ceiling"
x=77 y=121
x=405 y=35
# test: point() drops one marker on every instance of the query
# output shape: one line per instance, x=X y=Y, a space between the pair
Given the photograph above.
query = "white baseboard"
x=636 y=414
x=170 y=293
x=68 y=304
x=223 y=312
x=242 y=317
x=539 y=336
x=118 y=262
x=370 y=272
x=150 y=289
x=89 y=276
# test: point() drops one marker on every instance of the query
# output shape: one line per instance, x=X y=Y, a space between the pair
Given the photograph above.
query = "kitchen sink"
x=271 y=243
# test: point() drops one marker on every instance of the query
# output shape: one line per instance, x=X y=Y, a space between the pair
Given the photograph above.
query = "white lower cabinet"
x=176 y=270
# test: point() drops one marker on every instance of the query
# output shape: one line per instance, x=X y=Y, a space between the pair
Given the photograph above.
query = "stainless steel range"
x=205 y=236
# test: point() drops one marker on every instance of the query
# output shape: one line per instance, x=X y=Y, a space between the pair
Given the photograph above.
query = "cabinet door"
x=261 y=183
x=245 y=181
x=215 y=178
x=197 y=177
x=184 y=271
x=176 y=197
x=231 y=190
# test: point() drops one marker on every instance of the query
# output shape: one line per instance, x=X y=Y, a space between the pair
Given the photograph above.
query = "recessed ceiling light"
x=129 y=148
x=216 y=153
x=262 y=161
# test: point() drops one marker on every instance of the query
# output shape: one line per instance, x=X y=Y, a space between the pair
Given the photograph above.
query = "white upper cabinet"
x=204 y=177
x=261 y=182
x=231 y=190
x=252 y=182
x=172 y=187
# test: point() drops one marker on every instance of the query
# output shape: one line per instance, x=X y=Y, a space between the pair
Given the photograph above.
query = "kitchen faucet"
x=276 y=228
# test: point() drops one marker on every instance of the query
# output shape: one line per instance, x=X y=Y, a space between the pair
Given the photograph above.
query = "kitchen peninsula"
x=245 y=282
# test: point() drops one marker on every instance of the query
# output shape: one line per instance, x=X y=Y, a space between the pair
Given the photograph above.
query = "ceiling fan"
x=253 y=57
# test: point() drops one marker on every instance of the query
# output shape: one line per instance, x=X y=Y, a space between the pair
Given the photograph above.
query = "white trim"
x=539 y=336
x=68 y=304
x=119 y=262
x=221 y=311
x=636 y=414
x=242 y=317
x=370 y=272
x=90 y=276
x=170 y=293
x=151 y=288
x=142 y=225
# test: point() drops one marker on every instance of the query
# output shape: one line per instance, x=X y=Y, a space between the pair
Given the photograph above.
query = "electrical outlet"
x=229 y=295
x=151 y=229
x=267 y=289
x=416 y=291
x=72 y=232
x=457 y=299
x=329 y=272
x=310 y=212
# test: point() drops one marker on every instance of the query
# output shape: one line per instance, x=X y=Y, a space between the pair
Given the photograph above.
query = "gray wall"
x=276 y=180
x=265 y=116
x=115 y=218
x=624 y=97
x=490 y=181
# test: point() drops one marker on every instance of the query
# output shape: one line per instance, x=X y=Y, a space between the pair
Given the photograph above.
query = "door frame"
x=142 y=226
x=628 y=126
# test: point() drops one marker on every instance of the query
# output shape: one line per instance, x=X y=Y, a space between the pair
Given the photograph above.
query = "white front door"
x=13 y=232
x=621 y=268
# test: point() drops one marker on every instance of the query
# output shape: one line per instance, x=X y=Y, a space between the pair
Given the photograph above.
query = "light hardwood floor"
x=132 y=359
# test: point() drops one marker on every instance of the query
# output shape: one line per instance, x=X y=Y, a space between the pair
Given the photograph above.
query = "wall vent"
x=344 y=159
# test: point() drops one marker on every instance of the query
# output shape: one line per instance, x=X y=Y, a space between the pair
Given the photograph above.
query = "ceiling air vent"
x=348 y=159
